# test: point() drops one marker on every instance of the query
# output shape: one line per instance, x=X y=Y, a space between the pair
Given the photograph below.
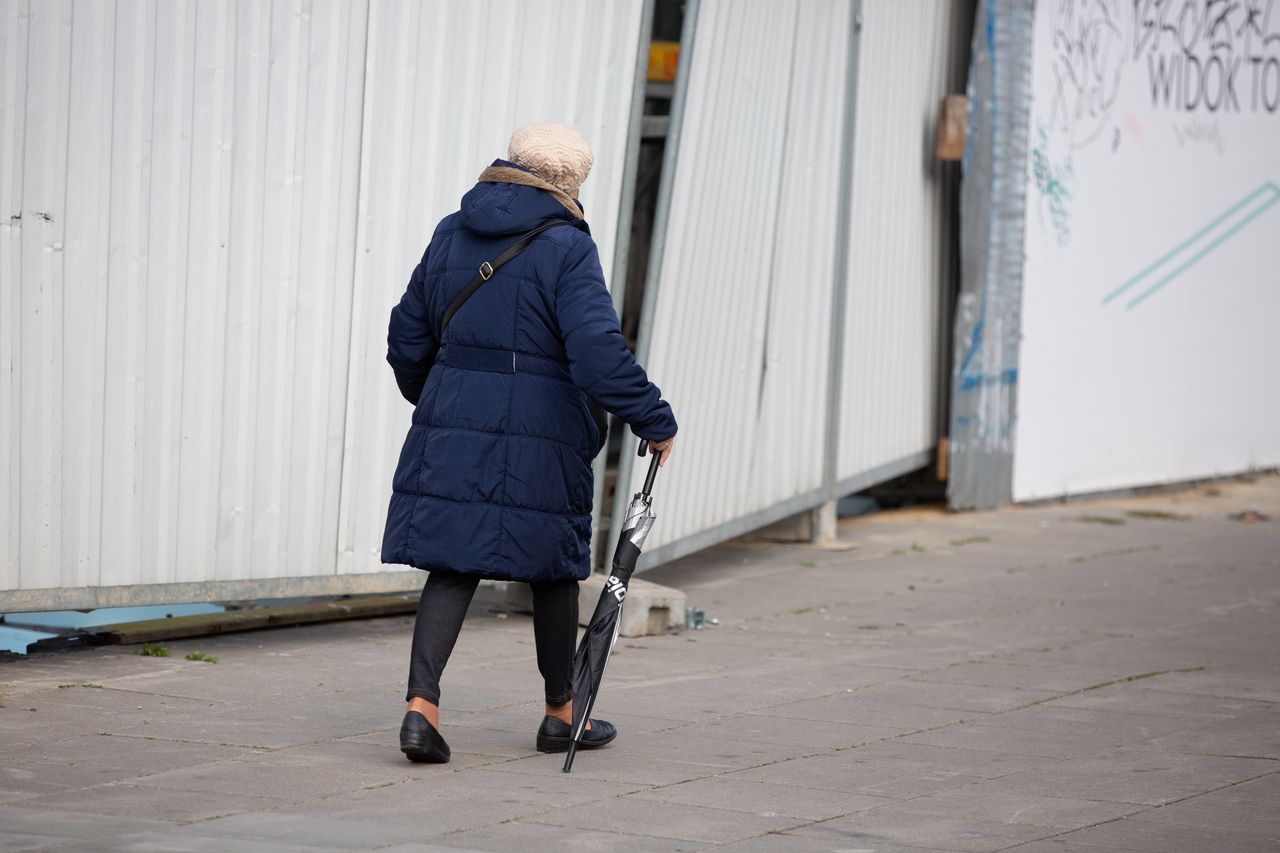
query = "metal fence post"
x=661 y=214
x=826 y=517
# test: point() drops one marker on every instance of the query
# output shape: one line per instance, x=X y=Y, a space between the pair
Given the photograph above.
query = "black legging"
x=444 y=603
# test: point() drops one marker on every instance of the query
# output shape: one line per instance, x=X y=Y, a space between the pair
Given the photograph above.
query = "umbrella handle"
x=653 y=467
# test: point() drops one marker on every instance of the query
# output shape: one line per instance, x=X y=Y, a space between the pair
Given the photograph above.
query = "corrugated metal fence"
x=901 y=239
x=802 y=214
x=208 y=210
x=191 y=390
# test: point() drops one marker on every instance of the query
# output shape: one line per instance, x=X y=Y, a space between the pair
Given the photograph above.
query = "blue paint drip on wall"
x=969 y=382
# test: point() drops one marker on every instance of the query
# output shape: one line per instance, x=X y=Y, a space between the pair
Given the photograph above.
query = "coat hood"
x=496 y=209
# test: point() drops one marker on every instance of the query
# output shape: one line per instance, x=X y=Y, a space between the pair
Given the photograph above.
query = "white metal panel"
x=738 y=337
x=13 y=92
x=447 y=83
x=178 y=191
x=901 y=232
x=1150 y=291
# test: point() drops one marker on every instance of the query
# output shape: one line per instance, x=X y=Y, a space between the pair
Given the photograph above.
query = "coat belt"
x=501 y=361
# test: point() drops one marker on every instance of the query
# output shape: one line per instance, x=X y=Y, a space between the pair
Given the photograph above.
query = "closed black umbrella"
x=602 y=631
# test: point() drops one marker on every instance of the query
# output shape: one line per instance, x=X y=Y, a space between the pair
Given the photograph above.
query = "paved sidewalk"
x=1090 y=676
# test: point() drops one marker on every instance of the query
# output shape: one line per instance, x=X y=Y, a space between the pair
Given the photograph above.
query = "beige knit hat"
x=558 y=154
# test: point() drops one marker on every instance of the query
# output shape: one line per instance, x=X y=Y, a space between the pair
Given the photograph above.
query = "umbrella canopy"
x=602 y=630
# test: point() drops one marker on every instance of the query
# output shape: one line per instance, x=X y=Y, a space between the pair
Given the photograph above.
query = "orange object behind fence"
x=663 y=57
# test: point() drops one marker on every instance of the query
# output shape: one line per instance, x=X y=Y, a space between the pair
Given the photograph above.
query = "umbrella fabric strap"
x=501 y=361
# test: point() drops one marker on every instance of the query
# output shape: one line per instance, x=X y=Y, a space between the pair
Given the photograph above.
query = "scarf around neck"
x=508 y=175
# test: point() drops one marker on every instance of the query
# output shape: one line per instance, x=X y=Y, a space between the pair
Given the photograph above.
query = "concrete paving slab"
x=88 y=760
x=1054 y=717
x=620 y=764
x=1248 y=736
x=812 y=735
x=18 y=842
x=761 y=798
x=998 y=803
x=1029 y=741
x=1173 y=838
x=1250 y=805
x=955 y=697
x=46 y=715
x=633 y=815
x=305 y=772
x=255 y=727
x=989 y=764
x=419 y=847
x=894 y=824
x=1040 y=676
x=317 y=831
x=1059 y=845
x=861 y=710
x=533 y=837
x=1152 y=700
x=182 y=841
x=80 y=826
x=679 y=743
x=790 y=842
x=442 y=802
x=839 y=773
x=146 y=802
x=1128 y=775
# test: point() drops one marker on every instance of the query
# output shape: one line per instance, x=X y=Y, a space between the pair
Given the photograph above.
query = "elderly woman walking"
x=502 y=341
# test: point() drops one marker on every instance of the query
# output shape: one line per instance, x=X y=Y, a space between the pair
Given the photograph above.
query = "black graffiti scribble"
x=1217 y=13
x=1198 y=57
x=1088 y=58
x=1151 y=22
x=1232 y=26
x=1255 y=23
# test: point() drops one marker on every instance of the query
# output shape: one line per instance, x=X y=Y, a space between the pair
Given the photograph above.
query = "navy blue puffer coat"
x=495 y=476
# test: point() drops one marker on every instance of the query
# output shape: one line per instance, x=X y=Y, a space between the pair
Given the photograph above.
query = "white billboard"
x=1152 y=289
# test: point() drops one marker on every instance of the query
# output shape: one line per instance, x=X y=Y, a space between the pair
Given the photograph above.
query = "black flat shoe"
x=555 y=736
x=420 y=741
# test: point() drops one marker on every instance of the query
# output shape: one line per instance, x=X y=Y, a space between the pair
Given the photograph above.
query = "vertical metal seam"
x=298 y=164
x=349 y=337
x=631 y=159
x=777 y=213
x=17 y=336
x=840 y=267
x=235 y=74
x=252 y=497
x=658 y=245
x=186 y=282
x=106 y=297
x=622 y=240
x=62 y=311
x=148 y=573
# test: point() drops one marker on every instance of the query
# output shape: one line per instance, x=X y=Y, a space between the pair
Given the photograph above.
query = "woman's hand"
x=663 y=448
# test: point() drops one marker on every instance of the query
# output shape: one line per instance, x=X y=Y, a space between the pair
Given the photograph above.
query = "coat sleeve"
x=411 y=341
x=599 y=361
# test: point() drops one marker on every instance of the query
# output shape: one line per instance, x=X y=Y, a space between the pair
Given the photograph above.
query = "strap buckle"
x=486 y=270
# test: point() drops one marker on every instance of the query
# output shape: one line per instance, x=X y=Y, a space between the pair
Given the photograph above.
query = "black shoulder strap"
x=488 y=268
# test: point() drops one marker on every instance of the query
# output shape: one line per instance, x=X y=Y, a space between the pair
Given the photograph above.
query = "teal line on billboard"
x=1268 y=190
